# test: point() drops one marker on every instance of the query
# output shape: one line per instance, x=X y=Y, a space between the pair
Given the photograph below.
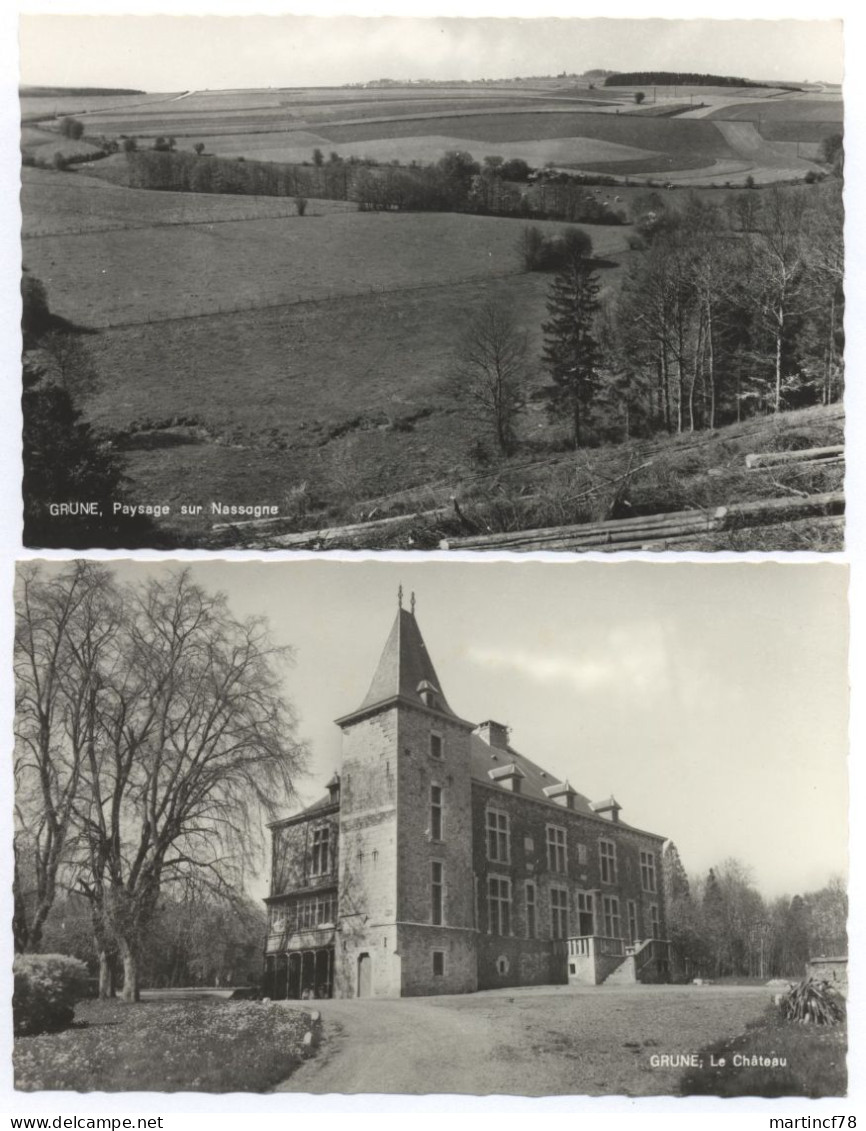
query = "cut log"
x=803 y=455
x=635 y=533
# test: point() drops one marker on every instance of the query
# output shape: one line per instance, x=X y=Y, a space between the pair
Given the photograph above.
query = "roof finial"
x=412 y=603
x=400 y=596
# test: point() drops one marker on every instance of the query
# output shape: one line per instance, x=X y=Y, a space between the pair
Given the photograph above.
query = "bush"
x=47 y=986
x=811 y=1001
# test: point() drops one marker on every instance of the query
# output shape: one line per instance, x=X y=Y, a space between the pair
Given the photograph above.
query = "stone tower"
x=407 y=909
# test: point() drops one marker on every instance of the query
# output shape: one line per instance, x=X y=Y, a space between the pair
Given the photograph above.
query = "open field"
x=193 y=270
x=295 y=148
x=42 y=105
x=56 y=205
x=789 y=109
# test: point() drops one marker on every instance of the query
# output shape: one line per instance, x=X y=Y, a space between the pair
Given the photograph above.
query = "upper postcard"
x=475 y=284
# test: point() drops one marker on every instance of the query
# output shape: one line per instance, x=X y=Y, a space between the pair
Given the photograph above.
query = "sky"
x=185 y=52
x=711 y=700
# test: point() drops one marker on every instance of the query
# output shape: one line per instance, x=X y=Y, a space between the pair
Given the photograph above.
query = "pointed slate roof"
x=405 y=671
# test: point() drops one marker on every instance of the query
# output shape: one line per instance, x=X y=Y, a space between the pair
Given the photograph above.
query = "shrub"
x=47 y=986
x=811 y=1001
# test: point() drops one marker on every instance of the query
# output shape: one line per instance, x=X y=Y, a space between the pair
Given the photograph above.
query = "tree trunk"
x=699 y=347
x=129 y=954
x=106 y=976
x=831 y=352
x=780 y=325
x=711 y=367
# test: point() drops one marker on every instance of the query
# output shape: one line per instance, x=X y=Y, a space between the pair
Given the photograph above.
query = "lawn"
x=152 y=274
x=204 y=1045
x=814 y=1057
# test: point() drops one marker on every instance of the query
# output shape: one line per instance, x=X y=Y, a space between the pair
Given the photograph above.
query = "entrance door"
x=364 y=975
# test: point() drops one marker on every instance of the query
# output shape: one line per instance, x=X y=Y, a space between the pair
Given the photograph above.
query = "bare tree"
x=61 y=627
x=776 y=268
x=490 y=370
x=184 y=740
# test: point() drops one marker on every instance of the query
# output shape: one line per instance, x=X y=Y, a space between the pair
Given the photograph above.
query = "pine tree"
x=571 y=349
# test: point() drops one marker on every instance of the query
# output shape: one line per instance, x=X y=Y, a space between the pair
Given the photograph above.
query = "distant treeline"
x=75 y=91
x=675 y=78
x=455 y=183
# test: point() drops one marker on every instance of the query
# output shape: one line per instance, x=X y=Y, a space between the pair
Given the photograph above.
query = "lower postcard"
x=486 y=828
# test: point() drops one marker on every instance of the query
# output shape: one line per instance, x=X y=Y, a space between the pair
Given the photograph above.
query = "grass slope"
x=68 y=203
x=142 y=275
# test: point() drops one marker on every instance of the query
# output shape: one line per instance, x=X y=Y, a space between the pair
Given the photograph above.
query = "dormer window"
x=428 y=694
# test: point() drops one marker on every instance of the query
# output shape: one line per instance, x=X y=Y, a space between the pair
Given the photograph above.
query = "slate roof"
x=532 y=784
x=403 y=668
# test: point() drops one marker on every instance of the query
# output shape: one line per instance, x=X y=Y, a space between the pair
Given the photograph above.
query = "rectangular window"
x=612 y=928
x=498 y=837
x=438 y=963
x=498 y=905
x=655 y=924
x=607 y=859
x=558 y=913
x=435 y=745
x=631 y=907
x=278 y=920
x=313 y=911
x=648 y=871
x=321 y=851
x=436 y=812
x=585 y=914
x=437 y=893
x=531 y=925
x=556 y=858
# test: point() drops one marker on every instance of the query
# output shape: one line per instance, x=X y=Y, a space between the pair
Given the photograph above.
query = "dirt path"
x=540 y=1041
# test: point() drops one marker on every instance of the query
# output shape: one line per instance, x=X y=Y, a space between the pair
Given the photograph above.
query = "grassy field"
x=200 y=269
x=204 y=1045
x=58 y=204
x=347 y=397
x=787 y=110
x=37 y=106
x=296 y=148
x=814 y=1055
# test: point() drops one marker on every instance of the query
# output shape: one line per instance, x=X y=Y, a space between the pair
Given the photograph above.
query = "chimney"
x=494 y=734
x=334 y=789
x=609 y=808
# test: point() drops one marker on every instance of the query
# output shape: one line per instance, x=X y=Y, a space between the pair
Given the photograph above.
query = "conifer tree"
x=571 y=350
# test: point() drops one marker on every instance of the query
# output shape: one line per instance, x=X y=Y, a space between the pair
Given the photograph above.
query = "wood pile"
x=648 y=532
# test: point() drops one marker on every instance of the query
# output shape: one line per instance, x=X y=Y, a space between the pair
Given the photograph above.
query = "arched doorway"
x=364 y=975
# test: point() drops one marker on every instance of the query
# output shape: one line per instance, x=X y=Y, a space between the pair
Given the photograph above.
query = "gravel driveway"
x=532 y=1041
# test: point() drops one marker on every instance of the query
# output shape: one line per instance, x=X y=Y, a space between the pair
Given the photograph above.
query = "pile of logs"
x=658 y=530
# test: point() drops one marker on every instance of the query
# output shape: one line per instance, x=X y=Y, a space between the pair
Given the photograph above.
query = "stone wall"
x=832 y=970
x=528 y=821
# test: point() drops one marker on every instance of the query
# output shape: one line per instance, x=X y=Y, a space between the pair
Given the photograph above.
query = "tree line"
x=726 y=311
x=454 y=183
x=675 y=78
x=721 y=926
x=151 y=736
